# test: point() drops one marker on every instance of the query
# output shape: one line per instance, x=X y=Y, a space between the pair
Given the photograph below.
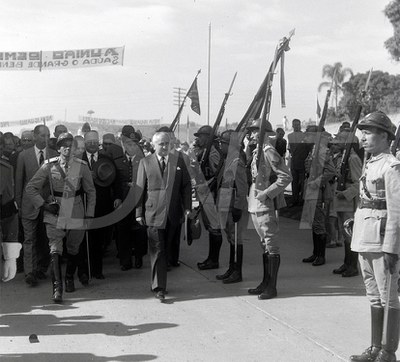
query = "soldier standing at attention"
x=376 y=236
x=265 y=197
x=64 y=210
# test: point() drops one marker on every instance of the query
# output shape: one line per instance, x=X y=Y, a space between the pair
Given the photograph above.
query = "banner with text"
x=118 y=122
x=27 y=122
x=61 y=59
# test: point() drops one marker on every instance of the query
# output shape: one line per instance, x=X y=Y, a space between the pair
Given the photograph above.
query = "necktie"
x=162 y=164
x=91 y=160
x=41 y=158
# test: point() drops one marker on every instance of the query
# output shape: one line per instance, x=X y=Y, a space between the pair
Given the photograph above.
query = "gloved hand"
x=9 y=269
x=390 y=261
x=52 y=208
x=236 y=214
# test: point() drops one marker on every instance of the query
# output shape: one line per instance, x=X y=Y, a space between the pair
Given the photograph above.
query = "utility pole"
x=179 y=94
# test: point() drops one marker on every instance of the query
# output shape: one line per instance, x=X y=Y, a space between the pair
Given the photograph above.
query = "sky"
x=167 y=42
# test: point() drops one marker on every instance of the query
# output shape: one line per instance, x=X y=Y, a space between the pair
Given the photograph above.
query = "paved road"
x=317 y=316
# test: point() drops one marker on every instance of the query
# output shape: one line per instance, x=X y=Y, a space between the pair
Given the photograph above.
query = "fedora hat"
x=104 y=172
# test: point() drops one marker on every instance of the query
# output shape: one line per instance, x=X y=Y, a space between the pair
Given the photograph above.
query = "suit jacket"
x=104 y=195
x=27 y=166
x=163 y=196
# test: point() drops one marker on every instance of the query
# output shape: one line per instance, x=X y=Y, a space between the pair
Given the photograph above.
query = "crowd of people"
x=68 y=197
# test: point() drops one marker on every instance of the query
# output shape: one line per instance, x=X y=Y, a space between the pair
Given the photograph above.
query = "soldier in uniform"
x=345 y=202
x=265 y=198
x=232 y=203
x=10 y=247
x=64 y=210
x=376 y=236
x=210 y=221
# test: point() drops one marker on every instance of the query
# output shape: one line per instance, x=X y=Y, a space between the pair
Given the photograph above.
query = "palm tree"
x=328 y=71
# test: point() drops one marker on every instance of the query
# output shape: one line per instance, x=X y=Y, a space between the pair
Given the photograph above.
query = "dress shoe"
x=138 y=262
x=99 y=276
x=319 y=261
x=126 y=267
x=369 y=355
x=31 y=280
x=310 y=259
x=84 y=279
x=40 y=275
x=160 y=295
x=340 y=270
x=208 y=264
x=350 y=273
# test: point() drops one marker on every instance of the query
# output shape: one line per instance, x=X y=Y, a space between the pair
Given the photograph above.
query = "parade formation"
x=64 y=200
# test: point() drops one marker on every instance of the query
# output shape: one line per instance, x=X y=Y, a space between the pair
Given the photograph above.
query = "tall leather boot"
x=314 y=255
x=387 y=353
x=321 y=247
x=351 y=261
x=263 y=285
x=215 y=242
x=56 y=277
x=236 y=276
x=231 y=266
x=372 y=352
x=271 y=292
x=69 y=273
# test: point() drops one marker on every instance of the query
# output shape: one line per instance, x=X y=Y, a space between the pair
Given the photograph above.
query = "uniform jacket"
x=273 y=176
x=163 y=196
x=27 y=166
x=379 y=230
x=71 y=207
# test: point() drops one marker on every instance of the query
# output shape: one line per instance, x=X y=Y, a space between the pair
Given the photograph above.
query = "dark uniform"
x=206 y=192
x=64 y=210
x=10 y=247
x=376 y=236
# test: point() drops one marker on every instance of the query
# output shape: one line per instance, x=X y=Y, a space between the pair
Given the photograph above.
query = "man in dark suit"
x=165 y=199
x=131 y=236
x=98 y=238
x=35 y=246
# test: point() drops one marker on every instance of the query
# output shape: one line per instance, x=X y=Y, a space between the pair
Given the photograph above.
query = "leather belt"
x=61 y=194
x=372 y=204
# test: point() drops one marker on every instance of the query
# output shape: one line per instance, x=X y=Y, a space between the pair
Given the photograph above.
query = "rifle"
x=178 y=115
x=206 y=153
x=341 y=183
x=282 y=47
x=314 y=171
x=396 y=142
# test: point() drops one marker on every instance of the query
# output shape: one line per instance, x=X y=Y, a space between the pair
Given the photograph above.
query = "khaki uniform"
x=377 y=225
x=68 y=181
x=274 y=176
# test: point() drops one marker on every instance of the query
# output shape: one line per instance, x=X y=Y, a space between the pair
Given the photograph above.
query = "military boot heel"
x=263 y=285
x=236 y=276
x=56 y=278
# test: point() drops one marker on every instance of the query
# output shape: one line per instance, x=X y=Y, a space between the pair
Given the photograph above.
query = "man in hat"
x=35 y=245
x=376 y=236
x=318 y=192
x=9 y=245
x=269 y=180
x=131 y=235
x=64 y=210
x=210 y=167
x=345 y=200
x=163 y=182
x=232 y=202
x=98 y=238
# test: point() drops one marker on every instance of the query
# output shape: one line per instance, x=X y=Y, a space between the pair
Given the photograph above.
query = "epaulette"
x=51 y=160
x=5 y=164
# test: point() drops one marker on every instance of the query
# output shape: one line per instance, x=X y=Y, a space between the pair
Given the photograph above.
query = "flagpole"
x=187 y=129
x=209 y=75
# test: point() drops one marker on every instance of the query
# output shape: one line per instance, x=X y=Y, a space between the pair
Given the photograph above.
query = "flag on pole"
x=318 y=109
x=193 y=94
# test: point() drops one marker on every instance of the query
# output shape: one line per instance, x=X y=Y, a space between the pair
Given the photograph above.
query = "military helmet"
x=378 y=120
x=256 y=124
x=225 y=137
x=204 y=130
x=63 y=137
